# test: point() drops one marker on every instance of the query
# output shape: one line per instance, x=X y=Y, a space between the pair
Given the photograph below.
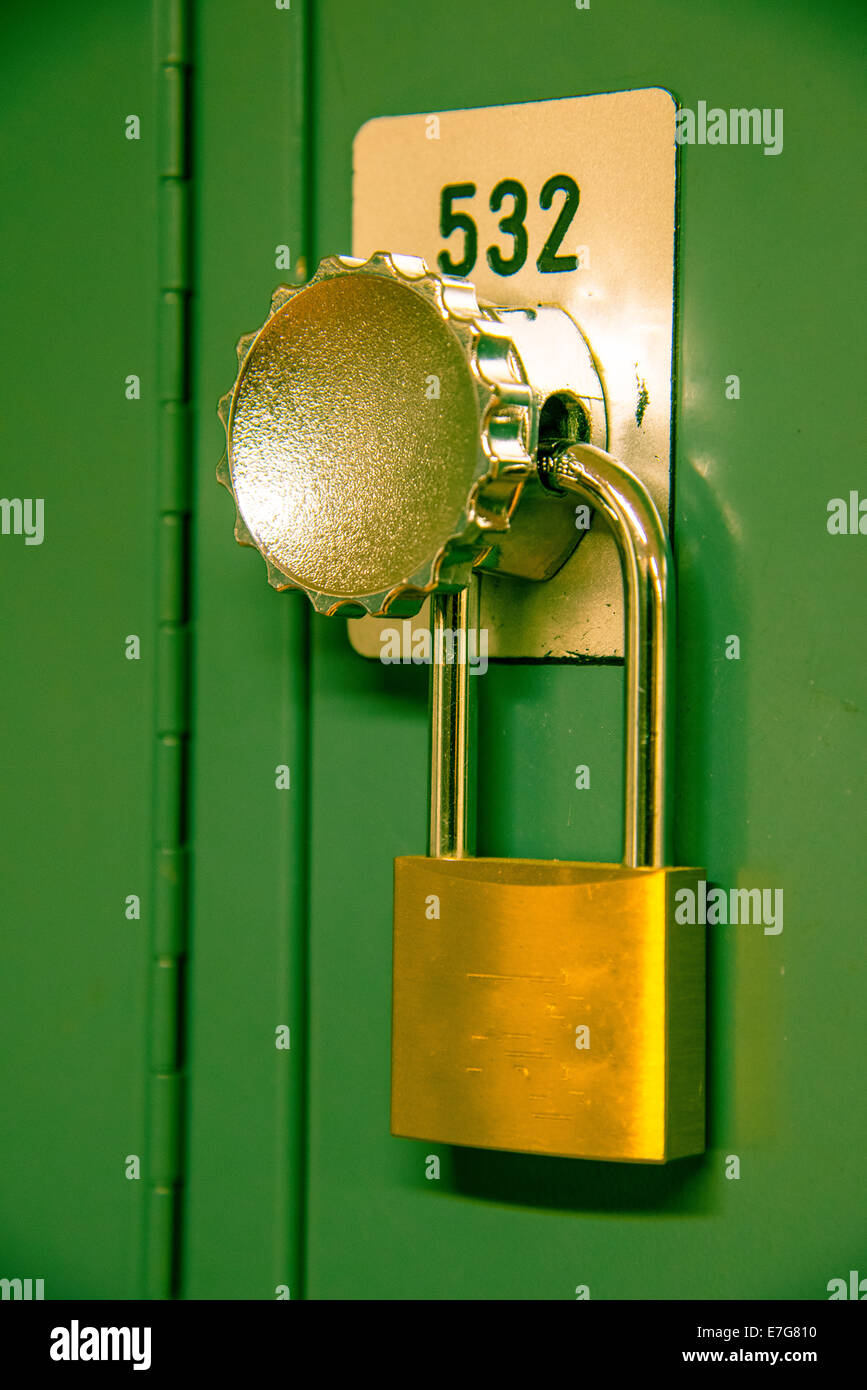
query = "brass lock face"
x=548 y=1006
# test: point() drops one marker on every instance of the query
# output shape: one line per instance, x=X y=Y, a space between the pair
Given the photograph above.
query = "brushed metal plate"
x=620 y=149
x=490 y=994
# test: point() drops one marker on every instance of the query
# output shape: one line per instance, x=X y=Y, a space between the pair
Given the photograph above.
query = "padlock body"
x=548 y=1007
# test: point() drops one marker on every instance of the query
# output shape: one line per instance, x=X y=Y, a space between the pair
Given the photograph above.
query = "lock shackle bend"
x=648 y=585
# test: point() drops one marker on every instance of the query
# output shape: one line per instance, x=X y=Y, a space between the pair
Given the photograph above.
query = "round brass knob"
x=380 y=431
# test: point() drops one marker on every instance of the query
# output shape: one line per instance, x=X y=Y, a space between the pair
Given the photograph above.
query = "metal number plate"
x=568 y=202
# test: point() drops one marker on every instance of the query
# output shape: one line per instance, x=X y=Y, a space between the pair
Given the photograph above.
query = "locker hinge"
x=165 y=1109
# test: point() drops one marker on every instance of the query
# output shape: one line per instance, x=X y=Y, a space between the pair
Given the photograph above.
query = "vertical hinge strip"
x=167 y=947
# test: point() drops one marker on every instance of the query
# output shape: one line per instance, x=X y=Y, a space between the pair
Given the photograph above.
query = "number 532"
x=512 y=224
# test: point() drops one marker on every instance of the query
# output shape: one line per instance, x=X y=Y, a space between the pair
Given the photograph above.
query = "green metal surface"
x=290 y=1179
x=78 y=217
x=243 y=1231
x=767 y=748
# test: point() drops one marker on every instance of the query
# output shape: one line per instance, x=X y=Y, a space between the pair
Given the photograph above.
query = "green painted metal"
x=243 y=1217
x=290 y=1178
x=79 y=316
x=767 y=746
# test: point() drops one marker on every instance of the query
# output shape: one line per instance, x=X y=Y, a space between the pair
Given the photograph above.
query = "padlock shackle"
x=453 y=616
x=648 y=583
x=646 y=565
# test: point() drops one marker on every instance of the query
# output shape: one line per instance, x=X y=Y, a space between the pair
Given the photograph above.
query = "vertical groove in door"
x=242 y=1231
x=164 y=1163
x=298 y=733
x=291 y=1116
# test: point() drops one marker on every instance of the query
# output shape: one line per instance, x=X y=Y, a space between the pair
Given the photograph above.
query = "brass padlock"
x=547 y=1006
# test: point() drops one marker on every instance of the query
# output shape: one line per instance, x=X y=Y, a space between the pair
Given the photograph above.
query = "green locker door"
x=78 y=604
x=235 y=1036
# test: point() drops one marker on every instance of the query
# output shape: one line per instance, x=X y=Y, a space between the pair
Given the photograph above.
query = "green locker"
x=199 y=824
